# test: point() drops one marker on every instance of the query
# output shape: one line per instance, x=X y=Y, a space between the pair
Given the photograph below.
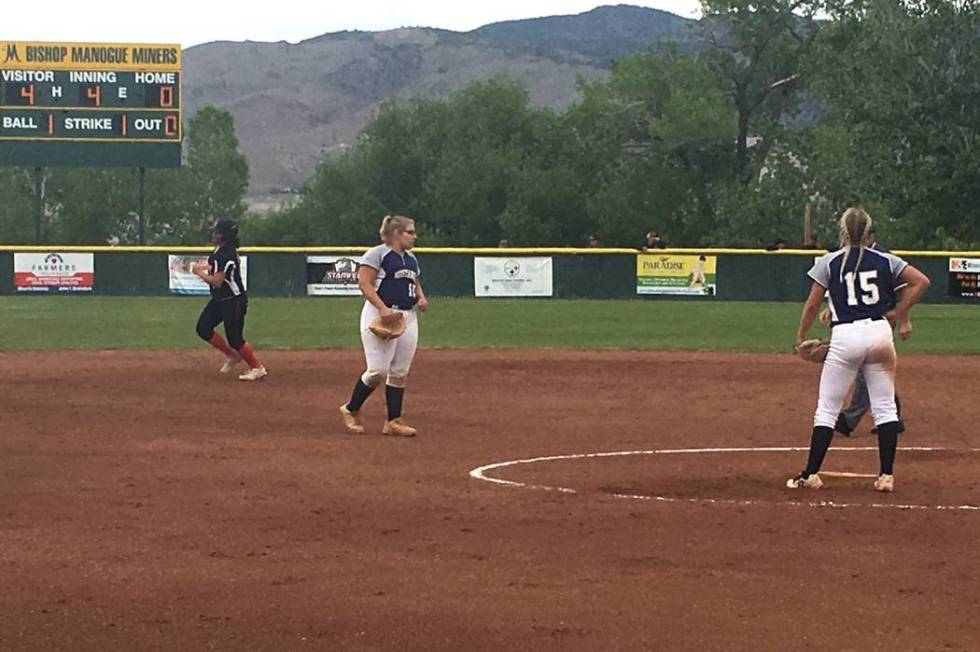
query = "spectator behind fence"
x=777 y=245
x=811 y=242
x=503 y=244
x=594 y=241
x=653 y=241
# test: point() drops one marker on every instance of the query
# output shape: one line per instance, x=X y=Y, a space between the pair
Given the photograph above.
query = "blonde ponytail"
x=392 y=224
x=855 y=230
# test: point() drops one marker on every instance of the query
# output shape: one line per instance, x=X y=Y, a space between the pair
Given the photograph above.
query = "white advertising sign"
x=513 y=277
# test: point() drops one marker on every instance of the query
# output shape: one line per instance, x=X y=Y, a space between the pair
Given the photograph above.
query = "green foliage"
x=96 y=206
x=476 y=168
x=757 y=49
x=653 y=138
x=89 y=206
x=877 y=106
x=901 y=83
x=17 y=206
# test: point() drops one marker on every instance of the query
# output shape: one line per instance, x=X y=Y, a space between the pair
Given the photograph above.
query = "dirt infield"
x=148 y=503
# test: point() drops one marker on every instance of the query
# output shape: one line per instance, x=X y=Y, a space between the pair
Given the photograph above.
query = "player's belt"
x=398 y=306
x=860 y=321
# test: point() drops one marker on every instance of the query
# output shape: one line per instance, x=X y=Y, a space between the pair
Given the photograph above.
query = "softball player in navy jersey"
x=850 y=417
x=229 y=302
x=860 y=283
x=388 y=276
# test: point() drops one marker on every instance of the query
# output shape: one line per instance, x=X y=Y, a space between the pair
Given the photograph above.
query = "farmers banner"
x=54 y=272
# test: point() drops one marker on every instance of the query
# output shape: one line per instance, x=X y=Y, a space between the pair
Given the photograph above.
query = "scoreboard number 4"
x=94 y=93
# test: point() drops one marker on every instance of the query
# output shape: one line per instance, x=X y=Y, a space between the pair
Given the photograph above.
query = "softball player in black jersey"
x=228 y=304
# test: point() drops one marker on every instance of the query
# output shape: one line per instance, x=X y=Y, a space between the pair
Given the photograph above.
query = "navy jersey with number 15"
x=396 y=275
x=861 y=292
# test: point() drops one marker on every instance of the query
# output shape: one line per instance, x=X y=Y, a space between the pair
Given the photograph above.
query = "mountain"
x=599 y=36
x=296 y=103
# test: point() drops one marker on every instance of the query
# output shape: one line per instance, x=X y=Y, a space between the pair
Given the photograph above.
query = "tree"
x=16 y=209
x=218 y=172
x=757 y=48
x=470 y=167
x=650 y=143
x=900 y=80
x=90 y=206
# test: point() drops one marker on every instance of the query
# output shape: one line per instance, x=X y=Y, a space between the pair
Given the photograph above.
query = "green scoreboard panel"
x=90 y=104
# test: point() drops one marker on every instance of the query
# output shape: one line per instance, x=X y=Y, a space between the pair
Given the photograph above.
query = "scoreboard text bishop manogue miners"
x=89 y=54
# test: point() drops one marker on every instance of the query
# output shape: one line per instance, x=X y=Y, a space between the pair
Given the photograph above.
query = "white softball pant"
x=388 y=360
x=863 y=345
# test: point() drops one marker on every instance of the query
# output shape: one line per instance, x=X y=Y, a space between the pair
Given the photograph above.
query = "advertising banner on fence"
x=964 y=278
x=331 y=276
x=183 y=281
x=684 y=275
x=513 y=277
x=54 y=272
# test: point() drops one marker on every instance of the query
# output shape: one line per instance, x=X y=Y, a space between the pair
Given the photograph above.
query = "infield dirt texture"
x=148 y=503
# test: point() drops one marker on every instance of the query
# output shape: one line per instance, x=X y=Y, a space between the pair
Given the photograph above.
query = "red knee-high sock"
x=248 y=355
x=219 y=343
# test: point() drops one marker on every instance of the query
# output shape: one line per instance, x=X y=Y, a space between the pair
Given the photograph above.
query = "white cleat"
x=230 y=363
x=803 y=481
x=254 y=373
x=885 y=483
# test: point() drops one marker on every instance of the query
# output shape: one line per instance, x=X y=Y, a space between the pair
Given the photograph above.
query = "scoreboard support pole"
x=141 y=176
x=38 y=202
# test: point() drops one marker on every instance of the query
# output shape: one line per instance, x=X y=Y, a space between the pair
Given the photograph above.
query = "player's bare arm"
x=810 y=310
x=423 y=303
x=366 y=278
x=214 y=280
x=916 y=284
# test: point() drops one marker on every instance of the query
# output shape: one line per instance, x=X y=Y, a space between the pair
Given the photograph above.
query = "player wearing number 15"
x=859 y=282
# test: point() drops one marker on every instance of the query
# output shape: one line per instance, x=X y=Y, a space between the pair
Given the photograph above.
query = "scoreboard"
x=90 y=104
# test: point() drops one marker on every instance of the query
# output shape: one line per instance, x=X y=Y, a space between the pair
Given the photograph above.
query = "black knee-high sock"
x=887 y=446
x=359 y=395
x=819 y=443
x=394 y=396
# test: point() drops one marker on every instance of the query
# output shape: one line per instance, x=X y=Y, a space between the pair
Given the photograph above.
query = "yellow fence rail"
x=483 y=251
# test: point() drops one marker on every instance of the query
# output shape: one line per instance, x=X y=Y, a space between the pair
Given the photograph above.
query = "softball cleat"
x=397 y=428
x=804 y=481
x=255 y=373
x=352 y=420
x=885 y=483
x=230 y=363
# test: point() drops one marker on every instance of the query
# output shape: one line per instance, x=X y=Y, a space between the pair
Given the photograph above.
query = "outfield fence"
x=691 y=274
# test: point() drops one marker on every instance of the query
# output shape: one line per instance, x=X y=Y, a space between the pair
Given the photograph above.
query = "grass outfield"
x=77 y=322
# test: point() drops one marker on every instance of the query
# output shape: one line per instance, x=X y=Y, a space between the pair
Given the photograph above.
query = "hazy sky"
x=190 y=23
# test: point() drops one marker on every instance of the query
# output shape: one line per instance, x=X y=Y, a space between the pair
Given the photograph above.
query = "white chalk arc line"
x=481 y=473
